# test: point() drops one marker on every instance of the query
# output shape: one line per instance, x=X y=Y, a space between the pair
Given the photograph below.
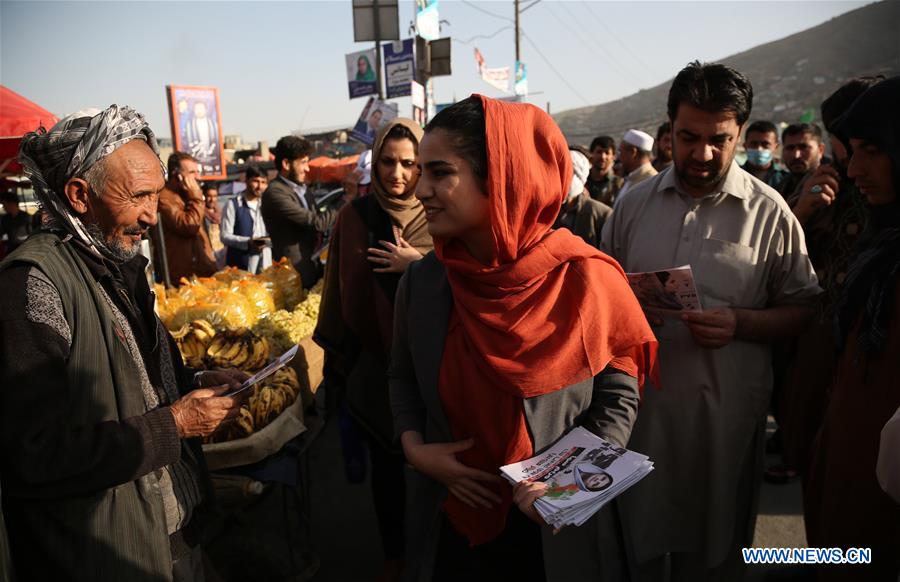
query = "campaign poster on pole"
x=399 y=67
x=521 y=86
x=497 y=78
x=374 y=116
x=429 y=99
x=196 y=121
x=362 y=78
x=428 y=24
x=418 y=103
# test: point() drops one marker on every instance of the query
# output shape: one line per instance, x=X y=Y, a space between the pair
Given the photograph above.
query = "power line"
x=615 y=37
x=552 y=68
x=483 y=36
x=488 y=12
x=529 y=6
x=590 y=40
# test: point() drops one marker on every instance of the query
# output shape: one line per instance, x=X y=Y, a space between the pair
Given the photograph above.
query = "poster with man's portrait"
x=375 y=115
x=196 y=120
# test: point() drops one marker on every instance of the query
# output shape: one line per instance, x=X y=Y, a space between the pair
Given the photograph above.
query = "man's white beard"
x=116 y=252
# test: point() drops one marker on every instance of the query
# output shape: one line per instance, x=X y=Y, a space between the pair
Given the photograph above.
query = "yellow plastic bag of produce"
x=223 y=309
x=229 y=275
x=257 y=295
x=285 y=283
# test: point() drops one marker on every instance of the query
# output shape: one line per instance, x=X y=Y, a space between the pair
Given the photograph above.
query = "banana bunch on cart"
x=238 y=348
x=267 y=400
x=193 y=339
x=203 y=347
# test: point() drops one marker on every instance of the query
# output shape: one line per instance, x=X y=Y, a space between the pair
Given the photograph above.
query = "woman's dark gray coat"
x=606 y=405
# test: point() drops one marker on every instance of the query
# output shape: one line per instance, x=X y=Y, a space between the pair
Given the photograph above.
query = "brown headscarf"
x=406 y=212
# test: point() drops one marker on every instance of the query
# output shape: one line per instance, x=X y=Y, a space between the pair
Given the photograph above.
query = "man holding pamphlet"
x=704 y=429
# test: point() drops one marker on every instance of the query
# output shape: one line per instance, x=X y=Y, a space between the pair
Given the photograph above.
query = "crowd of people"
x=475 y=309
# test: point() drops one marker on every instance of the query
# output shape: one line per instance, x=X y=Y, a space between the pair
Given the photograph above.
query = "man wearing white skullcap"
x=580 y=213
x=634 y=154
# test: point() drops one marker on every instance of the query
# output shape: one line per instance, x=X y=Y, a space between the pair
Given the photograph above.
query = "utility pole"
x=517 y=31
x=377 y=49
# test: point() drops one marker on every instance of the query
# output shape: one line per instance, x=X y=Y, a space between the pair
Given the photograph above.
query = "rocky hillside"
x=788 y=75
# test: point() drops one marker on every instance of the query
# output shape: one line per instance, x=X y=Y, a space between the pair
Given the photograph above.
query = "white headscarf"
x=581 y=167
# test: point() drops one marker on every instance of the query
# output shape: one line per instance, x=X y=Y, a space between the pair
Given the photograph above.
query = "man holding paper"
x=102 y=472
x=704 y=429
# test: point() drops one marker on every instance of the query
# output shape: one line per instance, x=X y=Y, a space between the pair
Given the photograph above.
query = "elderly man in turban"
x=102 y=473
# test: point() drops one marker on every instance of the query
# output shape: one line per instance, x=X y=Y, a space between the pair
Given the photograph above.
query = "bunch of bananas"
x=193 y=339
x=238 y=348
x=267 y=401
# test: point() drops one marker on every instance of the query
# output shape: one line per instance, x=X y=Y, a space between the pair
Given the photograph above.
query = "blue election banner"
x=399 y=67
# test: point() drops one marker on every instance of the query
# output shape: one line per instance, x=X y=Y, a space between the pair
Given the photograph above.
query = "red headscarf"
x=549 y=312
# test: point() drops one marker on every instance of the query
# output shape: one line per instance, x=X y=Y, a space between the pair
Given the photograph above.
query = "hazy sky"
x=280 y=65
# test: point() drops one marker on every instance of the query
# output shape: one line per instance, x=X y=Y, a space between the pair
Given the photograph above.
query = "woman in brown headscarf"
x=374 y=239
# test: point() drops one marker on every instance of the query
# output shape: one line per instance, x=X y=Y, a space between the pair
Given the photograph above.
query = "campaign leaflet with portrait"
x=667 y=291
x=583 y=472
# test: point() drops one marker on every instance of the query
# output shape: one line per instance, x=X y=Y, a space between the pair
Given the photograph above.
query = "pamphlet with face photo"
x=582 y=472
x=667 y=291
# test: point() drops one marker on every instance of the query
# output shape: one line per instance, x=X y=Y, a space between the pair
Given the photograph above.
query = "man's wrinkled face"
x=199 y=109
x=703 y=147
x=802 y=153
x=126 y=209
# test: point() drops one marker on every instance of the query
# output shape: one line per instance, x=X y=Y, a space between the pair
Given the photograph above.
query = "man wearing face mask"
x=760 y=143
x=579 y=213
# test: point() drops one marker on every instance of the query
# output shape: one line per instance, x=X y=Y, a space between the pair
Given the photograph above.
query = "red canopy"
x=18 y=116
x=331 y=170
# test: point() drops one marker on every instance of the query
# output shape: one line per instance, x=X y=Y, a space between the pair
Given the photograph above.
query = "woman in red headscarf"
x=505 y=338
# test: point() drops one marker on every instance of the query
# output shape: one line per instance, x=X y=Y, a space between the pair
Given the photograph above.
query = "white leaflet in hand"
x=583 y=472
x=268 y=370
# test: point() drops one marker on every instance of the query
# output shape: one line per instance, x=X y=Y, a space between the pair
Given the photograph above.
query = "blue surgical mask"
x=759 y=158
